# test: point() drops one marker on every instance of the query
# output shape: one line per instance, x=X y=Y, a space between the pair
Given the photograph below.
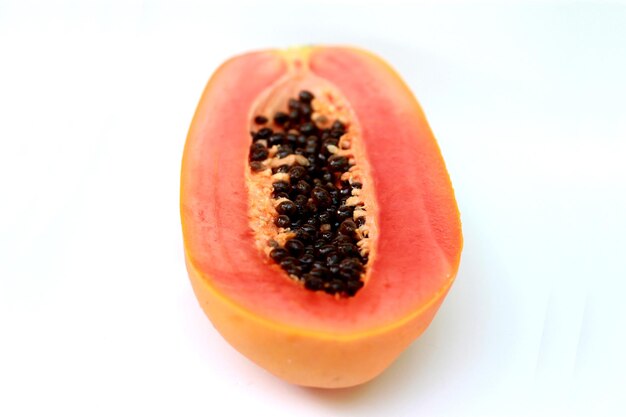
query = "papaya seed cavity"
x=320 y=224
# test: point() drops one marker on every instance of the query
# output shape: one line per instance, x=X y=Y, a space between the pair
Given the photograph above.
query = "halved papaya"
x=329 y=294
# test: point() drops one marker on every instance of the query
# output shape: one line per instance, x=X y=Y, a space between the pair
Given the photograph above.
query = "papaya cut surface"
x=310 y=337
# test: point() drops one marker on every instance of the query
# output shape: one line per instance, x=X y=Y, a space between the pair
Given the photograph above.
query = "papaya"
x=320 y=226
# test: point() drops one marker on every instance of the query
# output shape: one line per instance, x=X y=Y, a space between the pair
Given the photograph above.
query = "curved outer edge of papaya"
x=304 y=356
x=311 y=358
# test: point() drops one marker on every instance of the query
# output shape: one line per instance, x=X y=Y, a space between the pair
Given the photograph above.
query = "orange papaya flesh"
x=312 y=338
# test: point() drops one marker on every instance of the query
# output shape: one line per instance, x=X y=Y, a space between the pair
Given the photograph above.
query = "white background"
x=528 y=102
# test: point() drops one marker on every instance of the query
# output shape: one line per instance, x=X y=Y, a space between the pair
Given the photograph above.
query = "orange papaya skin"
x=307 y=338
x=307 y=358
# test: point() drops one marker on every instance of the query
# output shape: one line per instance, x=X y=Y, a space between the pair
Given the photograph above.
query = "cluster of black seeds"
x=324 y=252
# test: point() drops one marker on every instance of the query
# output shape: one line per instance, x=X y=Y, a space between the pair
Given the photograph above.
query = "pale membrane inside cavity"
x=328 y=106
